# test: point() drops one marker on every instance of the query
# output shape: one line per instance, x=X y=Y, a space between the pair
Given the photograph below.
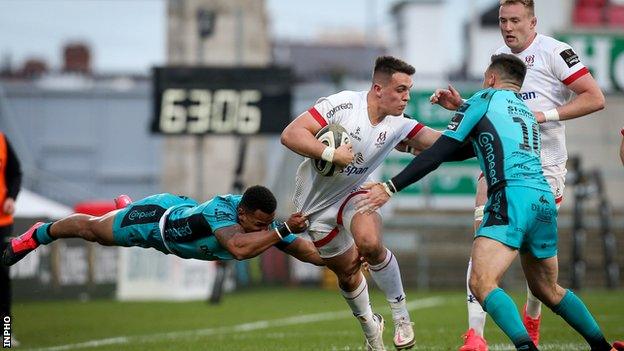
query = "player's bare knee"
x=348 y=278
x=480 y=286
x=551 y=295
x=475 y=289
x=372 y=250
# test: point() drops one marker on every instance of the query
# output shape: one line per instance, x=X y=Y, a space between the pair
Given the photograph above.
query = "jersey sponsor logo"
x=223 y=216
x=570 y=57
x=142 y=214
x=350 y=169
x=497 y=204
x=529 y=61
x=135 y=215
x=528 y=95
x=455 y=121
x=343 y=106
x=187 y=229
x=486 y=142
x=463 y=107
x=178 y=232
x=358 y=158
x=356 y=135
x=381 y=139
x=543 y=212
x=522 y=167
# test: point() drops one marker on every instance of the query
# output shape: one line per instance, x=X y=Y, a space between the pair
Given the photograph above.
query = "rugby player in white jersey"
x=375 y=123
x=557 y=87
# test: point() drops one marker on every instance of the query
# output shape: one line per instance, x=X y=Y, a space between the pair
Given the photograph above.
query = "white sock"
x=533 y=305
x=360 y=305
x=476 y=314
x=388 y=278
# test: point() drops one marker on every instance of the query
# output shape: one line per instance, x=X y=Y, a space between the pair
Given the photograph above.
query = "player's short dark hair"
x=389 y=65
x=258 y=197
x=509 y=67
x=528 y=4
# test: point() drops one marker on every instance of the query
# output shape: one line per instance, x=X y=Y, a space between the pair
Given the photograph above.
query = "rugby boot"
x=532 y=325
x=473 y=342
x=375 y=342
x=403 y=334
x=21 y=246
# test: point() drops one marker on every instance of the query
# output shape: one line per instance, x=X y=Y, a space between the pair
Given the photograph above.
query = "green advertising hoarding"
x=603 y=53
x=453 y=185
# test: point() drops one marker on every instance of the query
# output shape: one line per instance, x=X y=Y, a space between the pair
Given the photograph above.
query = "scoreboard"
x=200 y=100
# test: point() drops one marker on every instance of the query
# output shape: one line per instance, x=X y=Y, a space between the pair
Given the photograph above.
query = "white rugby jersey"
x=552 y=65
x=371 y=144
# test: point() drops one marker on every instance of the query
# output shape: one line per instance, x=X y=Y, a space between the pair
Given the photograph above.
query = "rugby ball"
x=332 y=135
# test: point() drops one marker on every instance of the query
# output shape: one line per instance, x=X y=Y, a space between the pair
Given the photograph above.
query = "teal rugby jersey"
x=508 y=150
x=189 y=229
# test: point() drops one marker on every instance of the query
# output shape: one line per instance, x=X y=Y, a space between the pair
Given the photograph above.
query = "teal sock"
x=42 y=234
x=576 y=314
x=504 y=312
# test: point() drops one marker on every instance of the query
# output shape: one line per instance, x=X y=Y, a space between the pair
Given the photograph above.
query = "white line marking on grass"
x=265 y=324
x=562 y=346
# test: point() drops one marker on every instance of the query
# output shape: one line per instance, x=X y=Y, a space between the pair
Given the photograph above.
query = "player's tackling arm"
x=588 y=99
x=246 y=245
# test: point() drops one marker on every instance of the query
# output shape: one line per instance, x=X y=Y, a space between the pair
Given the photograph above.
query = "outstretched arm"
x=444 y=149
x=247 y=245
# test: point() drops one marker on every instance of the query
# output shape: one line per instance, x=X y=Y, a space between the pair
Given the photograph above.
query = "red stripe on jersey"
x=559 y=200
x=480 y=176
x=415 y=130
x=317 y=116
x=578 y=74
x=327 y=238
x=339 y=215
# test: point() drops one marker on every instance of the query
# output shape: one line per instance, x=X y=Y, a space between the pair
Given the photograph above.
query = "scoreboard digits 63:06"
x=197 y=100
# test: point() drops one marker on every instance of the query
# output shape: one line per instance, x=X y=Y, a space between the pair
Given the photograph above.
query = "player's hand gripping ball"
x=332 y=135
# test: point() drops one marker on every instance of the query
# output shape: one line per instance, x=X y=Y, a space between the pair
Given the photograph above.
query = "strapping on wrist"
x=282 y=230
x=551 y=115
x=328 y=154
x=389 y=187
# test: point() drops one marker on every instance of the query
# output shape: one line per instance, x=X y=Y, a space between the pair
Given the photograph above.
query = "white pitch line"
x=264 y=324
x=568 y=346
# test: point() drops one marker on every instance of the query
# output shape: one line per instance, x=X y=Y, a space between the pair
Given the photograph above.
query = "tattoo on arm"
x=225 y=234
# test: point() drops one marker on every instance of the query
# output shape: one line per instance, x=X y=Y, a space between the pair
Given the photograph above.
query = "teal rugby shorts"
x=522 y=218
x=137 y=224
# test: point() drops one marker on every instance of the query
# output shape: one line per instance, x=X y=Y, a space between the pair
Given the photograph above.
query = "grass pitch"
x=276 y=319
